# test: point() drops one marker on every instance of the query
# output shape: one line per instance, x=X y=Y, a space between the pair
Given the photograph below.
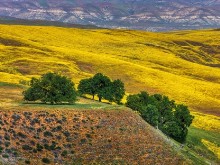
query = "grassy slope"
x=143 y=60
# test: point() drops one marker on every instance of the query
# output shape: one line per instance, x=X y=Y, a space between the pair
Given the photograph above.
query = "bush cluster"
x=103 y=87
x=54 y=88
x=158 y=110
x=51 y=87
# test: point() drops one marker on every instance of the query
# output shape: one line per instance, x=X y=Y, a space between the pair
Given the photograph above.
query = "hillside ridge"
x=131 y=14
x=150 y=61
x=87 y=132
x=92 y=125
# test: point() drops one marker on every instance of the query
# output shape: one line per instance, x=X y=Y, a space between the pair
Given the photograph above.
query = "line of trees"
x=161 y=112
x=158 y=110
x=103 y=87
x=54 y=88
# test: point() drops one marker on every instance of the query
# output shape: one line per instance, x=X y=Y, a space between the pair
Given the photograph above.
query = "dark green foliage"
x=5 y=156
x=39 y=147
x=66 y=133
x=26 y=147
x=82 y=141
x=16 y=117
x=173 y=119
x=64 y=153
x=48 y=134
x=150 y=113
x=7 y=144
x=136 y=102
x=103 y=87
x=46 y=160
x=35 y=92
x=88 y=136
x=51 y=87
x=183 y=120
x=1 y=149
x=7 y=137
x=27 y=162
x=101 y=83
x=51 y=147
x=183 y=116
x=15 y=153
x=86 y=87
x=56 y=129
x=20 y=134
x=118 y=90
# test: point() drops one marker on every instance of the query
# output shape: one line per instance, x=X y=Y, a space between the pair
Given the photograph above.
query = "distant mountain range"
x=152 y=15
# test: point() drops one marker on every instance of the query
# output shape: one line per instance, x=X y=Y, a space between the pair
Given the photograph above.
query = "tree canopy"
x=103 y=87
x=158 y=110
x=86 y=87
x=51 y=87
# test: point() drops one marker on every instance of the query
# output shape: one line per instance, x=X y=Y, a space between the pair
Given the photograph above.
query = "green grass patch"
x=5 y=84
x=193 y=158
x=92 y=105
x=194 y=142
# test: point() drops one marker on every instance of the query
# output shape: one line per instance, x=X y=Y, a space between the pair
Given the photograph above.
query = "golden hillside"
x=183 y=65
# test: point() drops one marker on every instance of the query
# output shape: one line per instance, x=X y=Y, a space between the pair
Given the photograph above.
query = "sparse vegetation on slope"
x=85 y=136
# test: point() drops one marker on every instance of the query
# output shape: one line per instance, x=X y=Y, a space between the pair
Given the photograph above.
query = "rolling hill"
x=16 y=21
x=91 y=132
x=85 y=133
x=181 y=64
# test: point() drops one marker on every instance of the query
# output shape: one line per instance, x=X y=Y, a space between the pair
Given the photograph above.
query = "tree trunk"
x=93 y=96
x=100 y=99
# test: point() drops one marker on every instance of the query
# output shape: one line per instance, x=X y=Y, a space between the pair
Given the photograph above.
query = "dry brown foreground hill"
x=85 y=133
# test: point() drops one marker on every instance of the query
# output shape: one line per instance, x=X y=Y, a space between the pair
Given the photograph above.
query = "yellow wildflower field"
x=177 y=64
x=212 y=147
x=206 y=122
